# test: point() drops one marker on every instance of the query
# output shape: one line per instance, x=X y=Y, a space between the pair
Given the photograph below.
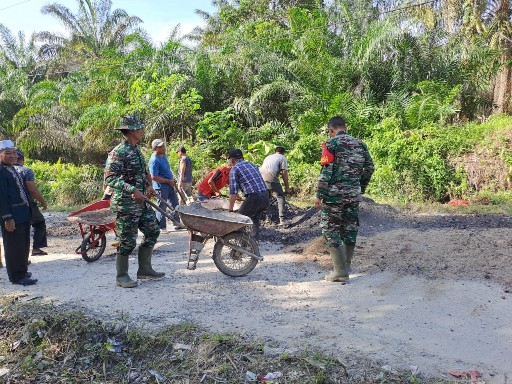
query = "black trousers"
x=37 y=221
x=253 y=205
x=16 y=250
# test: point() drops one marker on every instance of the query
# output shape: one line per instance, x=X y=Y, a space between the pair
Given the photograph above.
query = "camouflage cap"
x=130 y=123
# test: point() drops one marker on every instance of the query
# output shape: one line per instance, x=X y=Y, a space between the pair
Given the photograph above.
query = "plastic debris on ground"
x=178 y=346
x=250 y=376
x=156 y=375
x=472 y=374
x=458 y=202
x=114 y=346
x=268 y=378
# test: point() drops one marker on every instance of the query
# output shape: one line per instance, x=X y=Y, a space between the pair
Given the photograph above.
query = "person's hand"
x=172 y=183
x=218 y=194
x=44 y=206
x=287 y=190
x=318 y=203
x=10 y=225
x=138 y=196
x=150 y=192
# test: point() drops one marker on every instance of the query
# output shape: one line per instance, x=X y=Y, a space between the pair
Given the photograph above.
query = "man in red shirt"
x=213 y=183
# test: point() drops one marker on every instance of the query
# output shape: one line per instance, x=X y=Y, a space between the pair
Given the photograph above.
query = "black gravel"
x=374 y=218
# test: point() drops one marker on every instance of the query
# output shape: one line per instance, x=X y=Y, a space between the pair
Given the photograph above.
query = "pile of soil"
x=432 y=246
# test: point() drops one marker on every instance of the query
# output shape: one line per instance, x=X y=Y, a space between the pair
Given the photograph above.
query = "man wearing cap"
x=127 y=174
x=273 y=166
x=346 y=171
x=15 y=217
x=246 y=177
x=163 y=182
x=37 y=221
x=184 y=174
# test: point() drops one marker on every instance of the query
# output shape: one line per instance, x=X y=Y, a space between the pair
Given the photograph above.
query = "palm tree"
x=92 y=30
x=20 y=68
x=499 y=33
x=19 y=53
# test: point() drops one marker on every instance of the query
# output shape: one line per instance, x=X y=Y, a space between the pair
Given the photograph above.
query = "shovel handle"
x=182 y=194
x=166 y=214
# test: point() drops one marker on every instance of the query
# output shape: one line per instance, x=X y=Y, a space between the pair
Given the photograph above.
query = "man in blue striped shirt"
x=246 y=177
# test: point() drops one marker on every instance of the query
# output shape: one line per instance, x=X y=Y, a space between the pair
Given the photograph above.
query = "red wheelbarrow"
x=94 y=220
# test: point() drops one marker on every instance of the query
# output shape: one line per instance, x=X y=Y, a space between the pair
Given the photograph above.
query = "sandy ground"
x=428 y=293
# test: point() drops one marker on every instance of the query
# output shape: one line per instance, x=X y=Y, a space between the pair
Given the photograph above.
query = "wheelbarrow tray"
x=217 y=223
x=100 y=215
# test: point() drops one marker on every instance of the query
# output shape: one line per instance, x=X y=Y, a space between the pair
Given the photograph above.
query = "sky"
x=159 y=16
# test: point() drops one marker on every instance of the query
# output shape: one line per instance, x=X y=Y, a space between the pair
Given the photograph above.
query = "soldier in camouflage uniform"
x=126 y=173
x=346 y=171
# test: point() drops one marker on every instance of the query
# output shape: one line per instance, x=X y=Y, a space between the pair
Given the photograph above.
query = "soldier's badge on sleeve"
x=327 y=156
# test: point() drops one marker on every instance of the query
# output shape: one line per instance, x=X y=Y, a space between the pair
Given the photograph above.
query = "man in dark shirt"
x=37 y=220
x=15 y=217
x=246 y=177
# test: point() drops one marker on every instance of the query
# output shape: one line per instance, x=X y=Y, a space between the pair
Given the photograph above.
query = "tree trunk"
x=503 y=86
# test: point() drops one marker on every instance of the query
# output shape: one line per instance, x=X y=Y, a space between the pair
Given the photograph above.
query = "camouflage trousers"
x=340 y=223
x=127 y=225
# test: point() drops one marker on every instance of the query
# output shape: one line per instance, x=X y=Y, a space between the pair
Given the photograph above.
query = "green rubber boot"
x=340 y=273
x=349 y=252
x=122 y=279
x=145 y=269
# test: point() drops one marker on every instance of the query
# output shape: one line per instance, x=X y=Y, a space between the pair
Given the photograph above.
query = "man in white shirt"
x=273 y=166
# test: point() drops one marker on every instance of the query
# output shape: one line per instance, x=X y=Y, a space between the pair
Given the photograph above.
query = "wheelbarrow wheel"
x=92 y=250
x=232 y=262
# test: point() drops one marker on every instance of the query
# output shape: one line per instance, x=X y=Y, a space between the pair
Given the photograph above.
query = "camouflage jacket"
x=346 y=170
x=125 y=171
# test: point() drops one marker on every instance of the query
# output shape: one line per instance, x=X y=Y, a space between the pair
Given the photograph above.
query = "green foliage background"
x=416 y=83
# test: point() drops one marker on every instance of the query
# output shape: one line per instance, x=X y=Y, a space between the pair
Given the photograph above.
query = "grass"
x=44 y=343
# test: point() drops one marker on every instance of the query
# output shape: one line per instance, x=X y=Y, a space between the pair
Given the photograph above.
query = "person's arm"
x=5 y=208
x=34 y=192
x=211 y=182
x=233 y=189
x=232 y=199
x=163 y=180
x=150 y=191
x=368 y=169
x=113 y=174
x=325 y=176
x=284 y=174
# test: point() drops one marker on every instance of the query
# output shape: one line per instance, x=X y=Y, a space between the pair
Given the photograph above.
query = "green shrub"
x=67 y=185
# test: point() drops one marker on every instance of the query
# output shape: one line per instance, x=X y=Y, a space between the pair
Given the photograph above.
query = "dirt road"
x=428 y=293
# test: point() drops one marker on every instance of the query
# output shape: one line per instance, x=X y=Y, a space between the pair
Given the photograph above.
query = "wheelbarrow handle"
x=166 y=214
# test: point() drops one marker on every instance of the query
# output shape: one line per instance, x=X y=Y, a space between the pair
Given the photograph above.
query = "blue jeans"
x=169 y=195
x=202 y=197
